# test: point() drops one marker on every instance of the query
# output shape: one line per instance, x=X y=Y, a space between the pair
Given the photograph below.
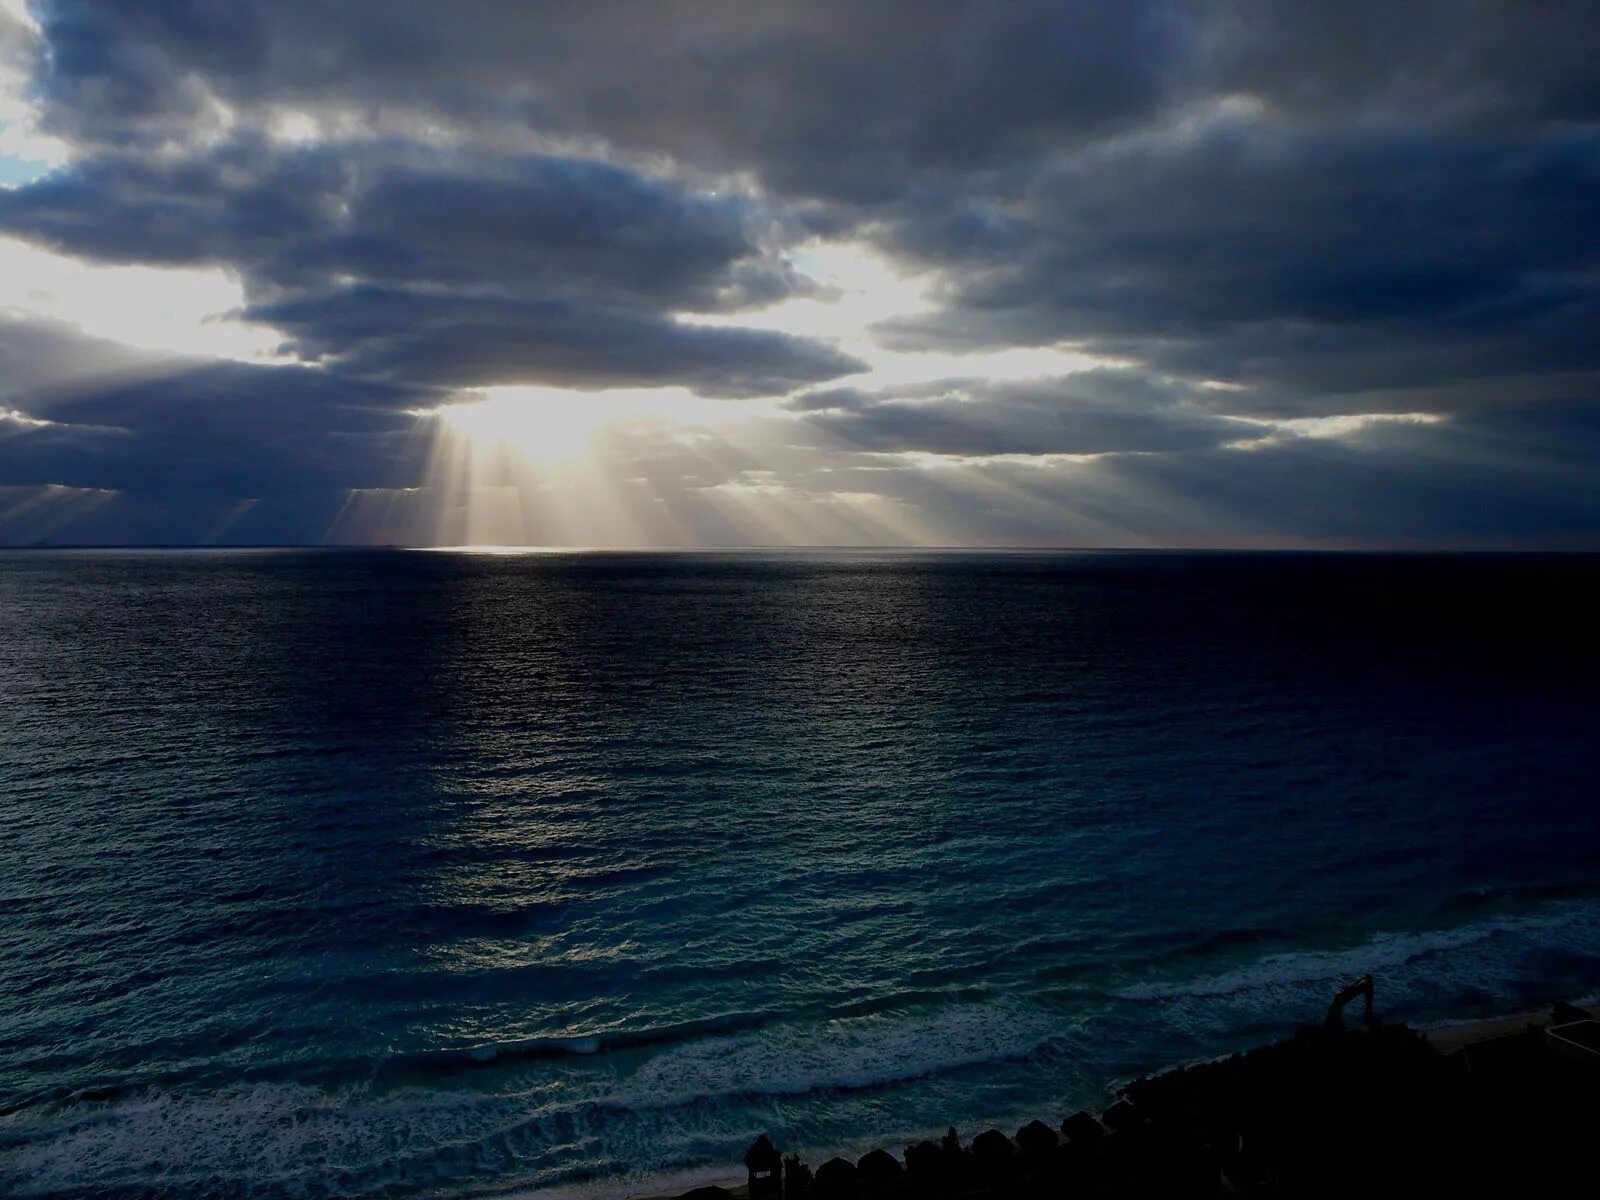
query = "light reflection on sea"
x=395 y=874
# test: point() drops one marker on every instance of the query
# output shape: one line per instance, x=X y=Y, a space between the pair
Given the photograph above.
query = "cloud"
x=40 y=354
x=547 y=270
x=467 y=340
x=1093 y=412
x=219 y=431
x=1503 y=477
x=1254 y=213
x=834 y=98
x=1482 y=65
x=388 y=213
x=1299 y=262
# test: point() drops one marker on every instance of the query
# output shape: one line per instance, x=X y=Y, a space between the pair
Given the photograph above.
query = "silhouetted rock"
x=1377 y=1112
x=924 y=1161
x=955 y=1164
x=877 y=1169
x=796 y=1178
x=836 y=1180
x=1081 y=1129
x=992 y=1150
x=1121 y=1117
x=1563 y=1013
x=1036 y=1139
x=709 y=1192
x=765 y=1165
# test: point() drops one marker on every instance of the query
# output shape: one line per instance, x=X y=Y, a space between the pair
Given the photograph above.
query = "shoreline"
x=1447 y=1037
x=1450 y=1037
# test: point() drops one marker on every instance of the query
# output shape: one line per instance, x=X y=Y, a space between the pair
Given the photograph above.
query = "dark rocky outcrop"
x=992 y=1153
x=796 y=1178
x=836 y=1180
x=877 y=1169
x=1565 y=1014
x=1121 y=1117
x=1330 y=1113
x=1081 y=1129
x=924 y=1162
x=1037 y=1140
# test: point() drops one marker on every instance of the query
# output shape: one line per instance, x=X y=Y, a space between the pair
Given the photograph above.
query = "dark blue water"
x=425 y=874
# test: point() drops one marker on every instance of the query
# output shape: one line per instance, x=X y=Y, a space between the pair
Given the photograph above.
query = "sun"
x=539 y=425
x=561 y=426
x=526 y=465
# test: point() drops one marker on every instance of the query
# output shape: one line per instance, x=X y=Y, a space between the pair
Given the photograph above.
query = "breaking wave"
x=1485 y=961
x=300 y=1139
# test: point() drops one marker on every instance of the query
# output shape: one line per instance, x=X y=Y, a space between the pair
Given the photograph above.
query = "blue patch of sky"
x=15 y=171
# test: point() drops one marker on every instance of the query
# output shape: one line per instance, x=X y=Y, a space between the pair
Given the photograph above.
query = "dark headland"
x=1497 y=1108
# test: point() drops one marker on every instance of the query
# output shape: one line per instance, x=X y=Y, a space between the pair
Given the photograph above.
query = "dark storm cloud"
x=1506 y=476
x=1457 y=482
x=834 y=98
x=1396 y=484
x=393 y=213
x=216 y=431
x=825 y=399
x=1473 y=64
x=237 y=204
x=1330 y=208
x=547 y=270
x=1094 y=412
x=824 y=97
x=1307 y=263
x=470 y=340
x=37 y=354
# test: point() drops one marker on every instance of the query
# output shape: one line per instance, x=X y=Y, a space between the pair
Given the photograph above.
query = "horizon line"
x=518 y=550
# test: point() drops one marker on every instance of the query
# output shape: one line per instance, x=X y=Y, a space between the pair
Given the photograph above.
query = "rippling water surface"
x=389 y=873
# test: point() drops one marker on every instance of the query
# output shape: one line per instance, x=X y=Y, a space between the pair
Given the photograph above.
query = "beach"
x=1262 y=1123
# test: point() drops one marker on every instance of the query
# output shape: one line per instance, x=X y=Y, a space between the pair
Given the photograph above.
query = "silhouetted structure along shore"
x=1506 y=1108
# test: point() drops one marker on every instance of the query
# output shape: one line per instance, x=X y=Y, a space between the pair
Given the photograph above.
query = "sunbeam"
x=33 y=514
x=544 y=467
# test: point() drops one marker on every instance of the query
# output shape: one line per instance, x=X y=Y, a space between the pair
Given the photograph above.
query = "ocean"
x=397 y=873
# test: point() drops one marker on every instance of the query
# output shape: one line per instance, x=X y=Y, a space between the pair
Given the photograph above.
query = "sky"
x=1230 y=273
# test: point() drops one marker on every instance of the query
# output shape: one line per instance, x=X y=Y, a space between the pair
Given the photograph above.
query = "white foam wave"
x=271 y=1136
x=542 y=1126
x=852 y=1053
x=1479 y=952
